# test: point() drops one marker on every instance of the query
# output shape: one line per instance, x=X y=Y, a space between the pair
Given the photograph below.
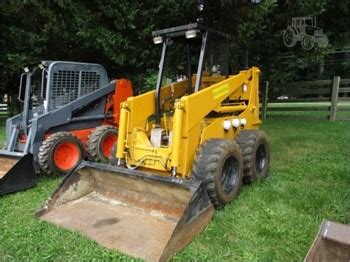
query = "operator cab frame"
x=188 y=32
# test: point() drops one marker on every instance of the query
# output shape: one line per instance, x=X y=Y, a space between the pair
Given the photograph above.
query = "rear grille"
x=90 y=81
x=67 y=86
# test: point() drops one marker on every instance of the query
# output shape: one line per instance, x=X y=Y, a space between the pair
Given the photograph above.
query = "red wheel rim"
x=107 y=144
x=66 y=155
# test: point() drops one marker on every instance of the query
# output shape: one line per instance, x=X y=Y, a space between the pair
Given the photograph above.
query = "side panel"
x=252 y=96
x=64 y=116
x=198 y=105
x=121 y=94
x=10 y=123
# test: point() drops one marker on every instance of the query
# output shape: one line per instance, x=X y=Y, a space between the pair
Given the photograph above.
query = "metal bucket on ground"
x=138 y=213
x=16 y=172
x=332 y=243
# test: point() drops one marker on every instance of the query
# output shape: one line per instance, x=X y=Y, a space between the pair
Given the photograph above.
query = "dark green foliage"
x=117 y=34
x=259 y=29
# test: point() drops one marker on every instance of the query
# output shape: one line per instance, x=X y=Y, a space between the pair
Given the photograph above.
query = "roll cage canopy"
x=181 y=30
x=189 y=32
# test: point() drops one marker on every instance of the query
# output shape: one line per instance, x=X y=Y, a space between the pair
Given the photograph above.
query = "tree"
x=117 y=34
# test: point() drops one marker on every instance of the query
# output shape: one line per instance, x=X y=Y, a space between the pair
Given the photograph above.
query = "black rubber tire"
x=249 y=142
x=47 y=148
x=113 y=158
x=94 y=144
x=210 y=162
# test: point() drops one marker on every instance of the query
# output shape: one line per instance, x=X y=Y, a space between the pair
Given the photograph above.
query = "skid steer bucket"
x=332 y=243
x=16 y=172
x=140 y=214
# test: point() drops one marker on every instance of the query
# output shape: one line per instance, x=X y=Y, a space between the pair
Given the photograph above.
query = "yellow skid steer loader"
x=182 y=151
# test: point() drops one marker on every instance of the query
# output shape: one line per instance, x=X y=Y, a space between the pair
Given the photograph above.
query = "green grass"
x=275 y=220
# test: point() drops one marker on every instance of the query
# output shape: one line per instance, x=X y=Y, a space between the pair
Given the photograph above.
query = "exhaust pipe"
x=16 y=172
x=138 y=213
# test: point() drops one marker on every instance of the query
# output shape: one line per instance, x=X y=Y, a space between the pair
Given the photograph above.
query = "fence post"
x=334 y=99
x=264 y=100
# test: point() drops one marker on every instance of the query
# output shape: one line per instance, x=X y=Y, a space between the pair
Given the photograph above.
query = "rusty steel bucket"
x=332 y=243
x=16 y=172
x=137 y=213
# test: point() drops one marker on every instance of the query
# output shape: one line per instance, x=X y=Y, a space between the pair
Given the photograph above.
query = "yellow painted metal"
x=215 y=130
x=177 y=129
x=189 y=121
x=141 y=153
x=230 y=109
x=122 y=131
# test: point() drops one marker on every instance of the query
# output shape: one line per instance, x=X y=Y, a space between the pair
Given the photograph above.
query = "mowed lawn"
x=275 y=220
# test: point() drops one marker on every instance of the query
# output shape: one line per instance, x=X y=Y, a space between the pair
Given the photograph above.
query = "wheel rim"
x=288 y=38
x=261 y=159
x=308 y=43
x=66 y=155
x=107 y=144
x=230 y=174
